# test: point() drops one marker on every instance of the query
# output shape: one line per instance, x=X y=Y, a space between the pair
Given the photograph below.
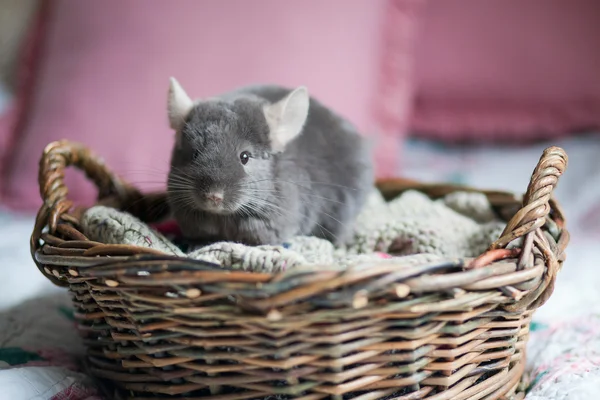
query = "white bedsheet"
x=20 y=278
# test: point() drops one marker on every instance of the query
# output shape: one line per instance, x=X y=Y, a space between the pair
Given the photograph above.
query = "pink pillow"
x=393 y=103
x=105 y=75
x=14 y=115
x=507 y=70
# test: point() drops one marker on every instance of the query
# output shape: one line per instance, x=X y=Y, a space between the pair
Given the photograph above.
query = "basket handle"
x=537 y=205
x=538 y=198
x=56 y=158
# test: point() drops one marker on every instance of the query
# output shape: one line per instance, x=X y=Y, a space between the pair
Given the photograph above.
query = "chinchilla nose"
x=215 y=197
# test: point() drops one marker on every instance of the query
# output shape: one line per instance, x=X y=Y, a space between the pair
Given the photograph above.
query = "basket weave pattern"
x=164 y=327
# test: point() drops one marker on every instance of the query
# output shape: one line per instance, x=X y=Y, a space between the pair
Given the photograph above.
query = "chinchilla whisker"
x=132 y=205
x=144 y=182
x=252 y=210
x=274 y=193
x=322 y=227
x=158 y=208
x=153 y=208
x=291 y=183
x=182 y=174
x=181 y=186
x=327 y=184
x=180 y=182
x=177 y=184
x=316 y=183
x=133 y=175
x=261 y=213
x=299 y=183
x=262 y=207
x=282 y=213
x=314 y=196
x=180 y=178
x=156 y=171
x=179 y=199
x=335 y=219
x=243 y=210
x=183 y=192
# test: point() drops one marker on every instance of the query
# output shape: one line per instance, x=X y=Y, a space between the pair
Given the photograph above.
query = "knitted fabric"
x=110 y=226
x=460 y=225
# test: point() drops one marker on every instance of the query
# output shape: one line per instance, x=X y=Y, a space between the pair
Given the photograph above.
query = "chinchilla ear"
x=179 y=105
x=286 y=117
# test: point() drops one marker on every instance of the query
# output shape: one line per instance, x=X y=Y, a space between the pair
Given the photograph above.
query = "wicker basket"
x=157 y=326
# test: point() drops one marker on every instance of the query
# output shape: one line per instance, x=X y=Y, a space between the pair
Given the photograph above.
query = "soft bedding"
x=459 y=225
x=37 y=335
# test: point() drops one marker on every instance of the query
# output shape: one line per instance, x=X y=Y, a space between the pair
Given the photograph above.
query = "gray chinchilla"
x=262 y=164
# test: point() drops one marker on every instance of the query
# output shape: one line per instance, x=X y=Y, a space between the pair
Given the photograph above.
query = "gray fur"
x=316 y=186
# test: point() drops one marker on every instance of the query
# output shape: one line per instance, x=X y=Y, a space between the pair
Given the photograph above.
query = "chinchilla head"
x=222 y=161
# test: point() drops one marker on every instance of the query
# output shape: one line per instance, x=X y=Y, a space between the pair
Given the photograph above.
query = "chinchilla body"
x=263 y=164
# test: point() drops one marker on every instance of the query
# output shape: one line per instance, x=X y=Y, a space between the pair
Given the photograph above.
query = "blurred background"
x=463 y=91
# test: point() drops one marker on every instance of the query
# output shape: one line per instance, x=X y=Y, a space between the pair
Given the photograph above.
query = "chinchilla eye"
x=244 y=157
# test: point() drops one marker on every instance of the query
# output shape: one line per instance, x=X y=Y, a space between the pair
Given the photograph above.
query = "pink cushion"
x=105 y=76
x=394 y=99
x=507 y=69
x=7 y=129
x=14 y=115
